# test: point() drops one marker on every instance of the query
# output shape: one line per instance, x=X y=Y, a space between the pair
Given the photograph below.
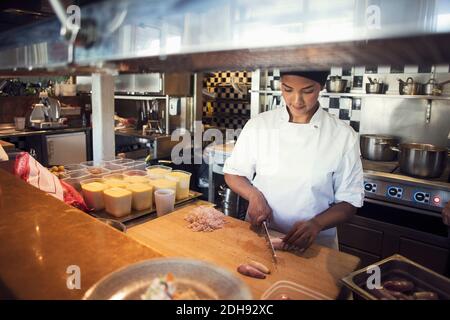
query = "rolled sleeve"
x=242 y=161
x=348 y=181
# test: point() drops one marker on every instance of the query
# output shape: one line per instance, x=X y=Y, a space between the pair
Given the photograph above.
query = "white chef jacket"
x=301 y=169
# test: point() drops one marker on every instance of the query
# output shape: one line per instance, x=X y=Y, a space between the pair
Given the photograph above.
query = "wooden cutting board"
x=318 y=268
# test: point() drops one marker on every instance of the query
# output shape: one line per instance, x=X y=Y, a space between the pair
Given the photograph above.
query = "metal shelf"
x=144 y=98
x=273 y=92
x=395 y=96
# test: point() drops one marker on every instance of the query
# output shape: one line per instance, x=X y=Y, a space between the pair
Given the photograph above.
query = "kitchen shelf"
x=226 y=115
x=273 y=92
x=231 y=100
x=397 y=96
x=143 y=98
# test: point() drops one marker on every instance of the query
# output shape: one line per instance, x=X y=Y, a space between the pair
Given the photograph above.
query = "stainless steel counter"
x=8 y=133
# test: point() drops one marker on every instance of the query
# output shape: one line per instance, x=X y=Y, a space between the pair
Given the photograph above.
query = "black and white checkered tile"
x=346 y=109
x=231 y=109
x=273 y=74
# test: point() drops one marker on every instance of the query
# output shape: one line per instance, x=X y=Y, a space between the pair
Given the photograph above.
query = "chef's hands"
x=446 y=214
x=258 y=208
x=302 y=234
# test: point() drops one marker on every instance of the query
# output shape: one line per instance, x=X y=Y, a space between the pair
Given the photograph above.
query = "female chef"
x=298 y=166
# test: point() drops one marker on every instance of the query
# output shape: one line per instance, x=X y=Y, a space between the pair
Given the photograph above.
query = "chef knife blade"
x=266 y=231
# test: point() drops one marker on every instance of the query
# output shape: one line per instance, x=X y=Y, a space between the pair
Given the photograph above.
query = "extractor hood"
x=175 y=35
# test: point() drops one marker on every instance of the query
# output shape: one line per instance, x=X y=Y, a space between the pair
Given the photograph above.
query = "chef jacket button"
x=315 y=126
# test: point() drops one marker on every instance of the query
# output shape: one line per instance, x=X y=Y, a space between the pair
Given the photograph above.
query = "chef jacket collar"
x=315 y=120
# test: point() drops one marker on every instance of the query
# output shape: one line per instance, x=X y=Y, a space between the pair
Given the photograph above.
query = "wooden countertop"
x=6 y=145
x=319 y=268
x=41 y=236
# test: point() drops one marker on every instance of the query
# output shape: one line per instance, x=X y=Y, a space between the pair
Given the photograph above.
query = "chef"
x=298 y=166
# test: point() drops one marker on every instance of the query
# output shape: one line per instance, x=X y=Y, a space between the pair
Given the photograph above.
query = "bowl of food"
x=169 y=279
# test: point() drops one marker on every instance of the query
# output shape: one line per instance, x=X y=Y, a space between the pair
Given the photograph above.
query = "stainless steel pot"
x=374 y=86
x=232 y=204
x=433 y=88
x=378 y=147
x=422 y=160
x=336 y=84
x=410 y=87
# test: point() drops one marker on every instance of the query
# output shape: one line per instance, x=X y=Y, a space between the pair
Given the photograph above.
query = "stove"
x=385 y=184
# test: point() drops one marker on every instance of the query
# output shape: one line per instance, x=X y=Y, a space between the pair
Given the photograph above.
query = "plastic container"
x=183 y=179
x=118 y=201
x=136 y=176
x=113 y=168
x=142 y=195
x=92 y=190
x=98 y=172
x=19 y=123
x=139 y=165
x=122 y=162
x=75 y=177
x=158 y=171
x=159 y=184
x=74 y=167
x=90 y=164
x=116 y=180
x=287 y=290
x=164 y=201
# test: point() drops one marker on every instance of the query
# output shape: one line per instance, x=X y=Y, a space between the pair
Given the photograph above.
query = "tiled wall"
x=231 y=109
x=349 y=110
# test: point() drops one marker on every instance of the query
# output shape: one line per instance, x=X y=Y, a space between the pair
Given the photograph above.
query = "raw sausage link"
x=259 y=266
x=250 y=271
x=399 y=285
x=426 y=295
x=383 y=294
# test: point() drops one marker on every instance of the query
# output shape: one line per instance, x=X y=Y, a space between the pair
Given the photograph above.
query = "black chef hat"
x=318 y=76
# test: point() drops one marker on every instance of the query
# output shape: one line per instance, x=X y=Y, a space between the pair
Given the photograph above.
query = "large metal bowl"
x=208 y=281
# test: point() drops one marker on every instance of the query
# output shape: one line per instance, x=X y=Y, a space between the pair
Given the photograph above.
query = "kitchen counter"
x=319 y=268
x=41 y=236
x=30 y=132
x=6 y=145
x=138 y=134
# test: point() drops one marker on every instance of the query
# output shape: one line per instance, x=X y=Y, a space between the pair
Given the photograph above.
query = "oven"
x=401 y=215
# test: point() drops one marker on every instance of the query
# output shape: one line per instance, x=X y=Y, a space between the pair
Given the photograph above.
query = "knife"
x=266 y=231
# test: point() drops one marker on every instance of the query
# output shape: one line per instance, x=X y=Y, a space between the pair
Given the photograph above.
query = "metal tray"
x=398 y=266
x=207 y=280
x=137 y=214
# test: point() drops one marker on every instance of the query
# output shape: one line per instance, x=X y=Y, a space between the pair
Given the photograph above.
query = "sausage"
x=401 y=295
x=259 y=266
x=383 y=294
x=399 y=285
x=248 y=270
x=277 y=243
x=425 y=295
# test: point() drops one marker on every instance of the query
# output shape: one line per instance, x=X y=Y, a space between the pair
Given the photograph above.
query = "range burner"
x=385 y=184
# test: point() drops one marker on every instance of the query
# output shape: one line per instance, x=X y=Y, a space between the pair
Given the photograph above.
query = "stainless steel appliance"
x=46 y=114
x=66 y=148
x=400 y=215
x=384 y=184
